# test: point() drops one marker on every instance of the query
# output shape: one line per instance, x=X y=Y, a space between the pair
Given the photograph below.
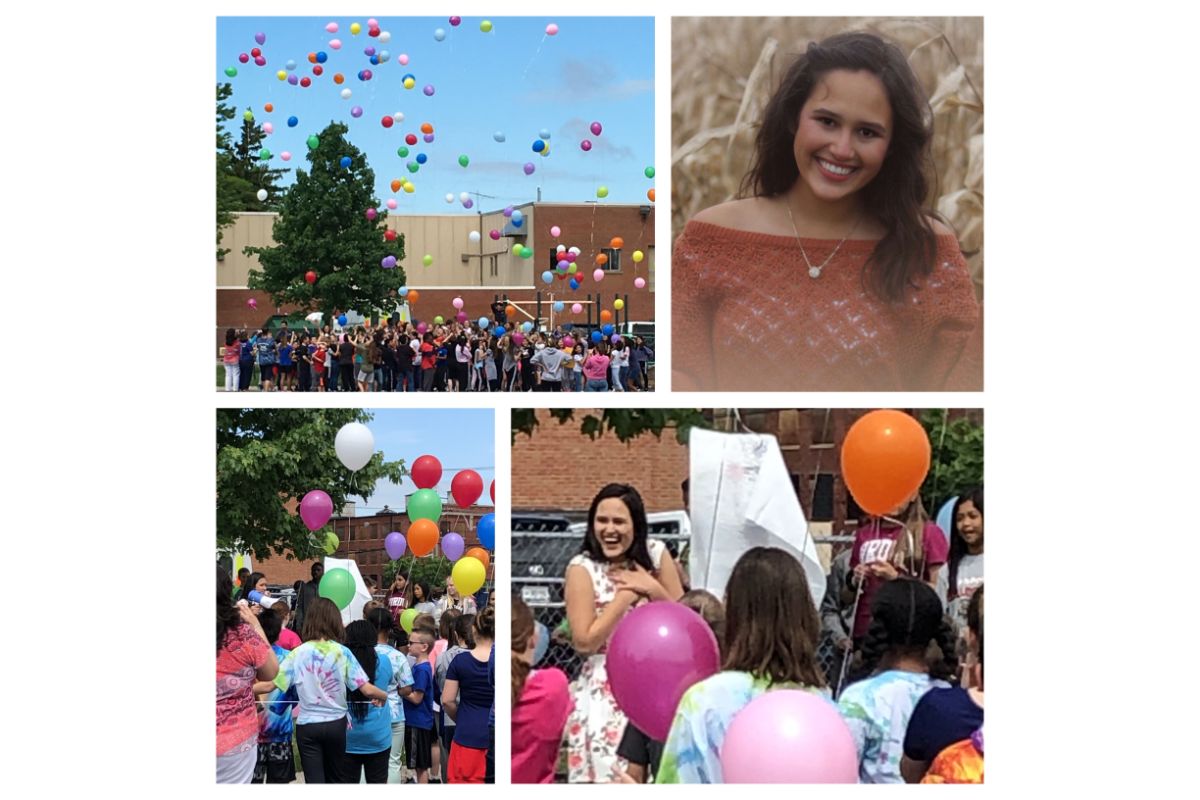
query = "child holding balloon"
x=618 y=567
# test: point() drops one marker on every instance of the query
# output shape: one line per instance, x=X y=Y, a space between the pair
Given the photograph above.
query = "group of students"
x=365 y=702
x=455 y=357
x=910 y=690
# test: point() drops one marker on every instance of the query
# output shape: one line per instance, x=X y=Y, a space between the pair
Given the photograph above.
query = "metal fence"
x=543 y=544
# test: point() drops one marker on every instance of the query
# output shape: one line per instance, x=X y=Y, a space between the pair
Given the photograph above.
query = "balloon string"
x=533 y=58
x=937 y=467
x=849 y=655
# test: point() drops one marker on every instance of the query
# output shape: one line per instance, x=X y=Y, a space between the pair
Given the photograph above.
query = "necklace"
x=815 y=272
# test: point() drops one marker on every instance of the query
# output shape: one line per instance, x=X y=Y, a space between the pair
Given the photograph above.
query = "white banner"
x=742 y=497
x=361 y=594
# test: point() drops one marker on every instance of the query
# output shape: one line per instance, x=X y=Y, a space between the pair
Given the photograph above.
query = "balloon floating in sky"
x=439 y=34
x=357 y=111
x=529 y=168
x=602 y=191
x=474 y=237
x=498 y=135
x=346 y=94
x=286 y=155
x=293 y=122
x=595 y=128
x=538 y=145
x=598 y=275
x=355 y=28
x=551 y=29
x=649 y=172
x=332 y=27
x=585 y=145
x=455 y=21
x=231 y=72
x=486 y=26
x=428 y=90
x=618 y=304
x=335 y=44
x=650 y=195
x=494 y=234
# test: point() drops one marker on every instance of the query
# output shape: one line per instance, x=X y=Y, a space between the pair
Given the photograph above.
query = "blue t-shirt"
x=476 y=693
x=275 y=721
x=420 y=715
x=941 y=718
x=373 y=733
x=266 y=350
x=285 y=355
x=247 y=350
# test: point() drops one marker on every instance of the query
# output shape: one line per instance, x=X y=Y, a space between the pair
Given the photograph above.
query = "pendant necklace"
x=814 y=272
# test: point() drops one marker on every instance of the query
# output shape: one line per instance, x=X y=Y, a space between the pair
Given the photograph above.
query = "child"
x=288 y=639
x=451 y=628
x=369 y=740
x=275 y=763
x=287 y=367
x=418 y=706
x=318 y=365
x=230 y=359
x=540 y=704
x=400 y=686
x=468 y=699
x=906 y=618
x=264 y=348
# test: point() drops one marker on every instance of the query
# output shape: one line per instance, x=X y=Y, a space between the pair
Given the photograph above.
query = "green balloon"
x=407 y=618
x=337 y=585
x=602 y=191
x=463 y=161
x=526 y=252
x=427 y=259
x=402 y=152
x=424 y=504
x=413 y=166
x=248 y=116
x=264 y=154
x=332 y=543
x=438 y=320
x=313 y=142
x=649 y=172
x=231 y=72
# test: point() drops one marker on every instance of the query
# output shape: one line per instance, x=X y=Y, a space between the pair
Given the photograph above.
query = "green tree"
x=269 y=458
x=323 y=227
x=957 y=462
x=624 y=423
x=248 y=165
x=230 y=189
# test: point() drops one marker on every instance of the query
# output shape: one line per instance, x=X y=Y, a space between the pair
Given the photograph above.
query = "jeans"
x=596 y=385
x=624 y=376
x=322 y=747
x=615 y=373
x=233 y=373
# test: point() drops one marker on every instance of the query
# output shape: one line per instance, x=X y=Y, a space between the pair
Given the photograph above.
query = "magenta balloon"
x=452 y=546
x=670 y=642
x=315 y=509
x=595 y=128
x=789 y=736
x=395 y=544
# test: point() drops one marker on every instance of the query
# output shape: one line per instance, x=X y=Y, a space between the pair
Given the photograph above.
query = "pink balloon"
x=568 y=342
x=371 y=214
x=585 y=145
x=518 y=337
x=576 y=308
x=495 y=234
x=788 y=736
x=452 y=546
x=670 y=642
x=335 y=44
x=403 y=58
x=252 y=303
x=570 y=257
x=422 y=327
x=457 y=303
x=596 y=128
x=555 y=231
x=316 y=508
x=395 y=544
x=461 y=316
x=391 y=203
x=286 y=155
x=551 y=29
x=640 y=283
x=268 y=127
x=332 y=27
x=598 y=275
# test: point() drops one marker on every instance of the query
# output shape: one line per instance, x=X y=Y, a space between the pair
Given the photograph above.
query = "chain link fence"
x=543 y=544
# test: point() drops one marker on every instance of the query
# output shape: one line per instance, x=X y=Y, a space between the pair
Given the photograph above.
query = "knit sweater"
x=737 y=295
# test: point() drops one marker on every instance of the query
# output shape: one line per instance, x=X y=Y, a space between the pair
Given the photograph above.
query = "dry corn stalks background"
x=724 y=71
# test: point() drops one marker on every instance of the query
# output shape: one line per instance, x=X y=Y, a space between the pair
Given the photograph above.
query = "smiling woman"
x=828 y=262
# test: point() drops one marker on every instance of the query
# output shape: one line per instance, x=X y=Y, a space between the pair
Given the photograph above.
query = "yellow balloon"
x=516 y=251
x=281 y=75
x=468 y=574
x=618 y=304
x=638 y=255
x=408 y=187
x=409 y=83
x=355 y=28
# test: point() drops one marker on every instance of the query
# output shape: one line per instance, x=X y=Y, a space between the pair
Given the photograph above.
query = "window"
x=822 y=498
x=614 y=259
x=493 y=266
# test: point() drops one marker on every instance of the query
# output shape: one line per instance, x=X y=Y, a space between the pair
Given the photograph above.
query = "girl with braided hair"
x=895 y=673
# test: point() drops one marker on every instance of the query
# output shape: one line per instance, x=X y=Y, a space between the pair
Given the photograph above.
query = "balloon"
x=598 y=275
x=463 y=160
x=457 y=302
x=473 y=237
x=346 y=94
x=607 y=330
x=484 y=322
x=337 y=585
x=638 y=255
x=261 y=195
x=538 y=145
x=528 y=168
x=422 y=535
x=354 y=445
x=518 y=338
x=585 y=145
x=602 y=191
x=649 y=172
x=669 y=641
x=595 y=128
x=310 y=277
x=558 y=306
x=332 y=27
x=335 y=44
x=407 y=618
x=544 y=134
x=466 y=487
x=341 y=320
x=492 y=491
x=788 y=736
x=543 y=642
x=387 y=121
x=439 y=35
x=428 y=90
x=498 y=331
x=438 y=320
x=409 y=82
x=485 y=26
x=331 y=543
x=498 y=135
x=285 y=155
x=616 y=243
x=480 y=555
x=452 y=546
x=388 y=262
x=576 y=308
x=606 y=315
x=469 y=575
x=422 y=158
x=355 y=28
x=548 y=276
x=424 y=504
x=596 y=337
x=414 y=296
x=316 y=508
x=403 y=59
x=268 y=128
x=456 y=21
x=945 y=517
x=371 y=214
x=395 y=545
x=885 y=457
x=618 y=304
x=486 y=529
x=639 y=283
x=231 y=72
x=389 y=235
x=264 y=154
x=574 y=283
x=551 y=29
x=313 y=142
x=567 y=342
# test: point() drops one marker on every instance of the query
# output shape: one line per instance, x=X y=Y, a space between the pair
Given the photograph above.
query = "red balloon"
x=466 y=487
x=390 y=235
x=318 y=69
x=306 y=81
x=426 y=472
x=256 y=52
x=411 y=138
x=387 y=121
x=492 y=491
x=310 y=276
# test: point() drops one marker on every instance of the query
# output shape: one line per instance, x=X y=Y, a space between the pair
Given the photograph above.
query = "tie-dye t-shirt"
x=401 y=676
x=877 y=711
x=275 y=713
x=692 y=753
x=322 y=672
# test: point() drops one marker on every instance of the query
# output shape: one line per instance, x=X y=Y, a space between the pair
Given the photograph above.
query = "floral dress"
x=596 y=724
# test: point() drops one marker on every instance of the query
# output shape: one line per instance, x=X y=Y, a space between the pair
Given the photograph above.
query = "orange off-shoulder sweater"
x=746 y=316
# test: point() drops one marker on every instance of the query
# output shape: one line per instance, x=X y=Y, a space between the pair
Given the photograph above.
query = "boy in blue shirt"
x=418 y=706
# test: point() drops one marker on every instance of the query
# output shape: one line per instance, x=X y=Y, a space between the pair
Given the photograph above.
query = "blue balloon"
x=946 y=516
x=499 y=331
x=345 y=162
x=517 y=217
x=498 y=136
x=404 y=291
x=608 y=329
x=321 y=57
x=596 y=337
x=527 y=326
x=543 y=642
x=484 y=322
x=293 y=122
x=538 y=145
x=558 y=305
x=548 y=276
x=342 y=319
x=290 y=65
x=516 y=221
x=574 y=283
x=375 y=60
x=422 y=158
x=486 y=531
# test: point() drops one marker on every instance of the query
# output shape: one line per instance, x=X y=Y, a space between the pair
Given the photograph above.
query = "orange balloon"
x=422 y=537
x=312 y=58
x=617 y=243
x=885 y=458
x=605 y=315
x=481 y=554
x=268 y=108
x=602 y=259
x=426 y=127
x=510 y=311
x=396 y=184
x=413 y=296
x=650 y=195
x=338 y=78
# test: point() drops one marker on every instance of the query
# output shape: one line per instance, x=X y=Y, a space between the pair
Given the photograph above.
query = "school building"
x=480 y=272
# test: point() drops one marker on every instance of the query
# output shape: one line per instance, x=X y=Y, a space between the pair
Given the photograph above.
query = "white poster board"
x=361 y=594
x=742 y=497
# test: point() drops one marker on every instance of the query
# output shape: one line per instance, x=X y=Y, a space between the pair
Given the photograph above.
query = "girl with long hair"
x=875 y=293
x=618 y=568
x=964 y=569
x=468 y=698
x=230 y=357
x=369 y=740
x=540 y=704
x=770 y=642
x=895 y=672
x=399 y=686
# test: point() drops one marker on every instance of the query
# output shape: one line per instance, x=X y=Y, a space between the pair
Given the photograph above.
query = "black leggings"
x=375 y=765
x=322 y=747
x=347 y=377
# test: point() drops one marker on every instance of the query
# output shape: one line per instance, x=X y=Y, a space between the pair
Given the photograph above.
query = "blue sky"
x=459 y=438
x=515 y=79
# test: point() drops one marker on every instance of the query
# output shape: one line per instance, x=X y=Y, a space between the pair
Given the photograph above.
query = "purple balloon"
x=452 y=546
x=670 y=642
x=528 y=168
x=292 y=79
x=261 y=38
x=596 y=128
x=508 y=211
x=428 y=90
x=428 y=138
x=356 y=112
x=395 y=544
x=616 y=338
x=789 y=736
x=316 y=508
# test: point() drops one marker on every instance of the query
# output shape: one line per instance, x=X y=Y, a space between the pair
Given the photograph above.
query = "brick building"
x=558 y=468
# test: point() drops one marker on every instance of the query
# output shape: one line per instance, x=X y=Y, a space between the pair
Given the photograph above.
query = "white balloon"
x=464 y=197
x=473 y=236
x=354 y=445
x=346 y=94
x=561 y=248
x=398 y=116
x=575 y=250
x=262 y=195
x=384 y=37
x=449 y=197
